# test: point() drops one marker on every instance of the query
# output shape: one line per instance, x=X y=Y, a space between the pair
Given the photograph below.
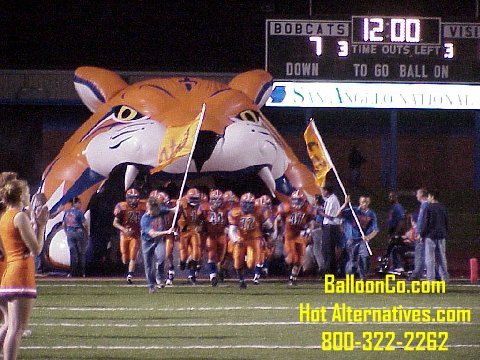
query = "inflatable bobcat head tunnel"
x=129 y=126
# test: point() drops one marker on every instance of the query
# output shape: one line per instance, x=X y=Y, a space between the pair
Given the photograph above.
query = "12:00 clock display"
x=396 y=30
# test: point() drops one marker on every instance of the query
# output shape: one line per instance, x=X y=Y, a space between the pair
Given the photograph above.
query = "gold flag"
x=178 y=142
x=318 y=153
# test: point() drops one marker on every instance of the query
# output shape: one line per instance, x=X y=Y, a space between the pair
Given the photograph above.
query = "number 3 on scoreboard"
x=342 y=48
x=448 y=50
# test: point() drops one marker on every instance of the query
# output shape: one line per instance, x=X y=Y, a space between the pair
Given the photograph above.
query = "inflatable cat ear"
x=95 y=86
x=257 y=84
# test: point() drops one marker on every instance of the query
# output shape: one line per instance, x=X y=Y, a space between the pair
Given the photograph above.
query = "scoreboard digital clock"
x=395 y=30
x=374 y=49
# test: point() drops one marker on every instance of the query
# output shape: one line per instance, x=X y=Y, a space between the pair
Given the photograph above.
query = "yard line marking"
x=68 y=308
x=185 y=285
x=253 y=323
x=207 y=347
x=227 y=308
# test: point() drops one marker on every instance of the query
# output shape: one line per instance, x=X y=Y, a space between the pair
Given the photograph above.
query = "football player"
x=230 y=201
x=127 y=219
x=269 y=234
x=216 y=219
x=245 y=231
x=296 y=215
x=190 y=226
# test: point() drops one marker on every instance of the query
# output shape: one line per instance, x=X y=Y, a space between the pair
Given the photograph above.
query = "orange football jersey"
x=215 y=220
x=295 y=220
x=249 y=225
x=130 y=217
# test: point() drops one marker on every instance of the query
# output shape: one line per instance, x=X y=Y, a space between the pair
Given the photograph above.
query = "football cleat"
x=256 y=279
x=192 y=280
x=221 y=275
x=129 y=279
x=171 y=276
x=243 y=285
x=292 y=281
x=214 y=281
x=265 y=271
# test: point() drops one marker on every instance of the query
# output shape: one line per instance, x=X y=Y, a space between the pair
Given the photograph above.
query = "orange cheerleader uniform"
x=18 y=280
x=3 y=266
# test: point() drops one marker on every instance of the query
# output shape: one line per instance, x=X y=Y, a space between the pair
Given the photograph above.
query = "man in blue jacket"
x=358 y=256
x=434 y=230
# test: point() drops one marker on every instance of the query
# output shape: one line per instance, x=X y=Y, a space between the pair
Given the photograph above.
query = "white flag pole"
x=339 y=182
x=184 y=181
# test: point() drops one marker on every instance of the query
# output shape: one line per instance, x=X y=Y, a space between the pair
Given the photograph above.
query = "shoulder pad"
x=121 y=206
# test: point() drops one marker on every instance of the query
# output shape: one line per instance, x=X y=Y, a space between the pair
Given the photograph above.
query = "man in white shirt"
x=331 y=228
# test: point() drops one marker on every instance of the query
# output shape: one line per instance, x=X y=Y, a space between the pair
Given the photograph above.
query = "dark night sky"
x=212 y=36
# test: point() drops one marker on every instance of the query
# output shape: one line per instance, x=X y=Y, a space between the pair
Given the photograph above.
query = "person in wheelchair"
x=401 y=250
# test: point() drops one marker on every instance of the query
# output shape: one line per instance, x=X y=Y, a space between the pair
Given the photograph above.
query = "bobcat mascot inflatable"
x=129 y=124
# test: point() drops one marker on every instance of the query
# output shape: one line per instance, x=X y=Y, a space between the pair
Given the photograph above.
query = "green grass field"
x=108 y=319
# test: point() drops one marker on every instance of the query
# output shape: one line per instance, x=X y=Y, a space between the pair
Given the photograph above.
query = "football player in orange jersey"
x=245 y=231
x=296 y=215
x=127 y=219
x=230 y=201
x=269 y=234
x=203 y=231
x=189 y=223
x=216 y=220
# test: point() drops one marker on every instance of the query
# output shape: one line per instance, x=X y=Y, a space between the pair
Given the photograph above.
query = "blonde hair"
x=5 y=177
x=11 y=192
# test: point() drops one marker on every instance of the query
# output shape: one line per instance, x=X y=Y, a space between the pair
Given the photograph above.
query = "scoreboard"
x=374 y=49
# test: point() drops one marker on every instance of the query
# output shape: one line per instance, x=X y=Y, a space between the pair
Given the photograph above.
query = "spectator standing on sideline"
x=422 y=198
x=75 y=226
x=396 y=229
x=355 y=162
x=396 y=216
x=330 y=228
x=434 y=230
x=358 y=256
